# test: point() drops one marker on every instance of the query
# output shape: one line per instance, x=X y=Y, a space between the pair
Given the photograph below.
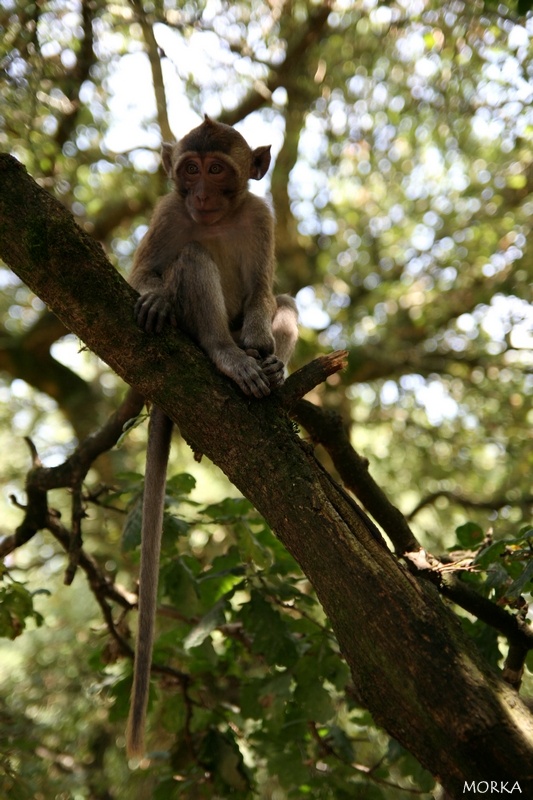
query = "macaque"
x=206 y=265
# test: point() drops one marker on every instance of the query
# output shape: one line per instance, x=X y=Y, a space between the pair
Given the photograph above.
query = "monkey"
x=205 y=265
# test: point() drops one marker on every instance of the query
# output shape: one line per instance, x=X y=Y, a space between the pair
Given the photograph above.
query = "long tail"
x=159 y=436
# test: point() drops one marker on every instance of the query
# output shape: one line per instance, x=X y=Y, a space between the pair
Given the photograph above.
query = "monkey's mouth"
x=207 y=216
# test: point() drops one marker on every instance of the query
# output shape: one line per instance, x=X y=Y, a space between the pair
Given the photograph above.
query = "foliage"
x=254 y=701
x=402 y=183
x=16 y=607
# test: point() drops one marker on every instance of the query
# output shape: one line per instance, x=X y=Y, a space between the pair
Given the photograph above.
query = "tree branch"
x=153 y=51
x=311 y=375
x=327 y=428
x=298 y=47
x=413 y=666
x=458 y=498
x=85 y=58
x=70 y=474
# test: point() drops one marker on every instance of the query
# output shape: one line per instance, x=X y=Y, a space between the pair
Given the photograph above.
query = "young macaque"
x=206 y=264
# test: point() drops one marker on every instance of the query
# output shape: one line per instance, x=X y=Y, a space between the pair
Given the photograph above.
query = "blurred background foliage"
x=402 y=183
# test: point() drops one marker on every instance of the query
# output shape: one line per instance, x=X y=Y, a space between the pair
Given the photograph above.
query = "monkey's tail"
x=159 y=436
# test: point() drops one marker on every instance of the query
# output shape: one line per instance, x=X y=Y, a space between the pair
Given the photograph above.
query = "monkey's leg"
x=201 y=311
x=285 y=327
x=285 y=332
x=157 y=452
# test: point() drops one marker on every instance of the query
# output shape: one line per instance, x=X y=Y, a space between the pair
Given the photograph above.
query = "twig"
x=71 y=473
x=456 y=497
x=327 y=428
x=76 y=539
x=516 y=630
x=305 y=379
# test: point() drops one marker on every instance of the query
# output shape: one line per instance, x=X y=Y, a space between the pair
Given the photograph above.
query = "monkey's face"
x=209 y=185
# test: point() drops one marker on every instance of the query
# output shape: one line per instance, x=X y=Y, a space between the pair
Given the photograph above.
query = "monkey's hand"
x=153 y=311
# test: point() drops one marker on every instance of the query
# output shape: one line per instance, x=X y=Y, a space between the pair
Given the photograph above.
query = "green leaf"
x=121 y=691
x=490 y=554
x=518 y=586
x=486 y=639
x=220 y=754
x=173 y=528
x=469 y=534
x=250 y=549
x=342 y=744
x=16 y=606
x=213 y=619
x=270 y=634
x=229 y=510
x=181 y=485
x=178 y=582
x=131 y=531
x=496 y=577
x=130 y=425
x=266 y=698
x=315 y=702
x=214 y=585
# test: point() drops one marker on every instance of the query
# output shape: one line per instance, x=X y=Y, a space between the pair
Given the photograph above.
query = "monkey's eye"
x=191 y=168
x=216 y=169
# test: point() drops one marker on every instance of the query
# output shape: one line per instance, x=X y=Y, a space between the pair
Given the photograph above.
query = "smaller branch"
x=305 y=379
x=35 y=460
x=101 y=587
x=93 y=496
x=85 y=59
x=35 y=511
x=456 y=497
x=108 y=435
x=40 y=480
x=76 y=540
x=518 y=633
x=75 y=468
x=299 y=47
x=514 y=665
x=327 y=428
x=447 y=578
x=153 y=52
x=326 y=749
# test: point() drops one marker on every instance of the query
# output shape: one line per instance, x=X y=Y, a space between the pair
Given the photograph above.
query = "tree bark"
x=413 y=666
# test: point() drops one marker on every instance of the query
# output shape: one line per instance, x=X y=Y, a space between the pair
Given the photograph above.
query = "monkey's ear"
x=166 y=157
x=260 y=162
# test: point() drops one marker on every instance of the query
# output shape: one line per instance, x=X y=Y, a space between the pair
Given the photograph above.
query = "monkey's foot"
x=272 y=366
x=274 y=369
x=245 y=370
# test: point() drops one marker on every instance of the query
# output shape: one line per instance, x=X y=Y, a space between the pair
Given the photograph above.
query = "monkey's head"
x=211 y=167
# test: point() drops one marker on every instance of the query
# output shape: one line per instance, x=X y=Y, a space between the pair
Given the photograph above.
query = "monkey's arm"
x=157 y=250
x=260 y=303
x=256 y=333
x=153 y=309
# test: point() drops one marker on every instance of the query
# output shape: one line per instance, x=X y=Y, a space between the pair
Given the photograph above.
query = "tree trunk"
x=413 y=666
